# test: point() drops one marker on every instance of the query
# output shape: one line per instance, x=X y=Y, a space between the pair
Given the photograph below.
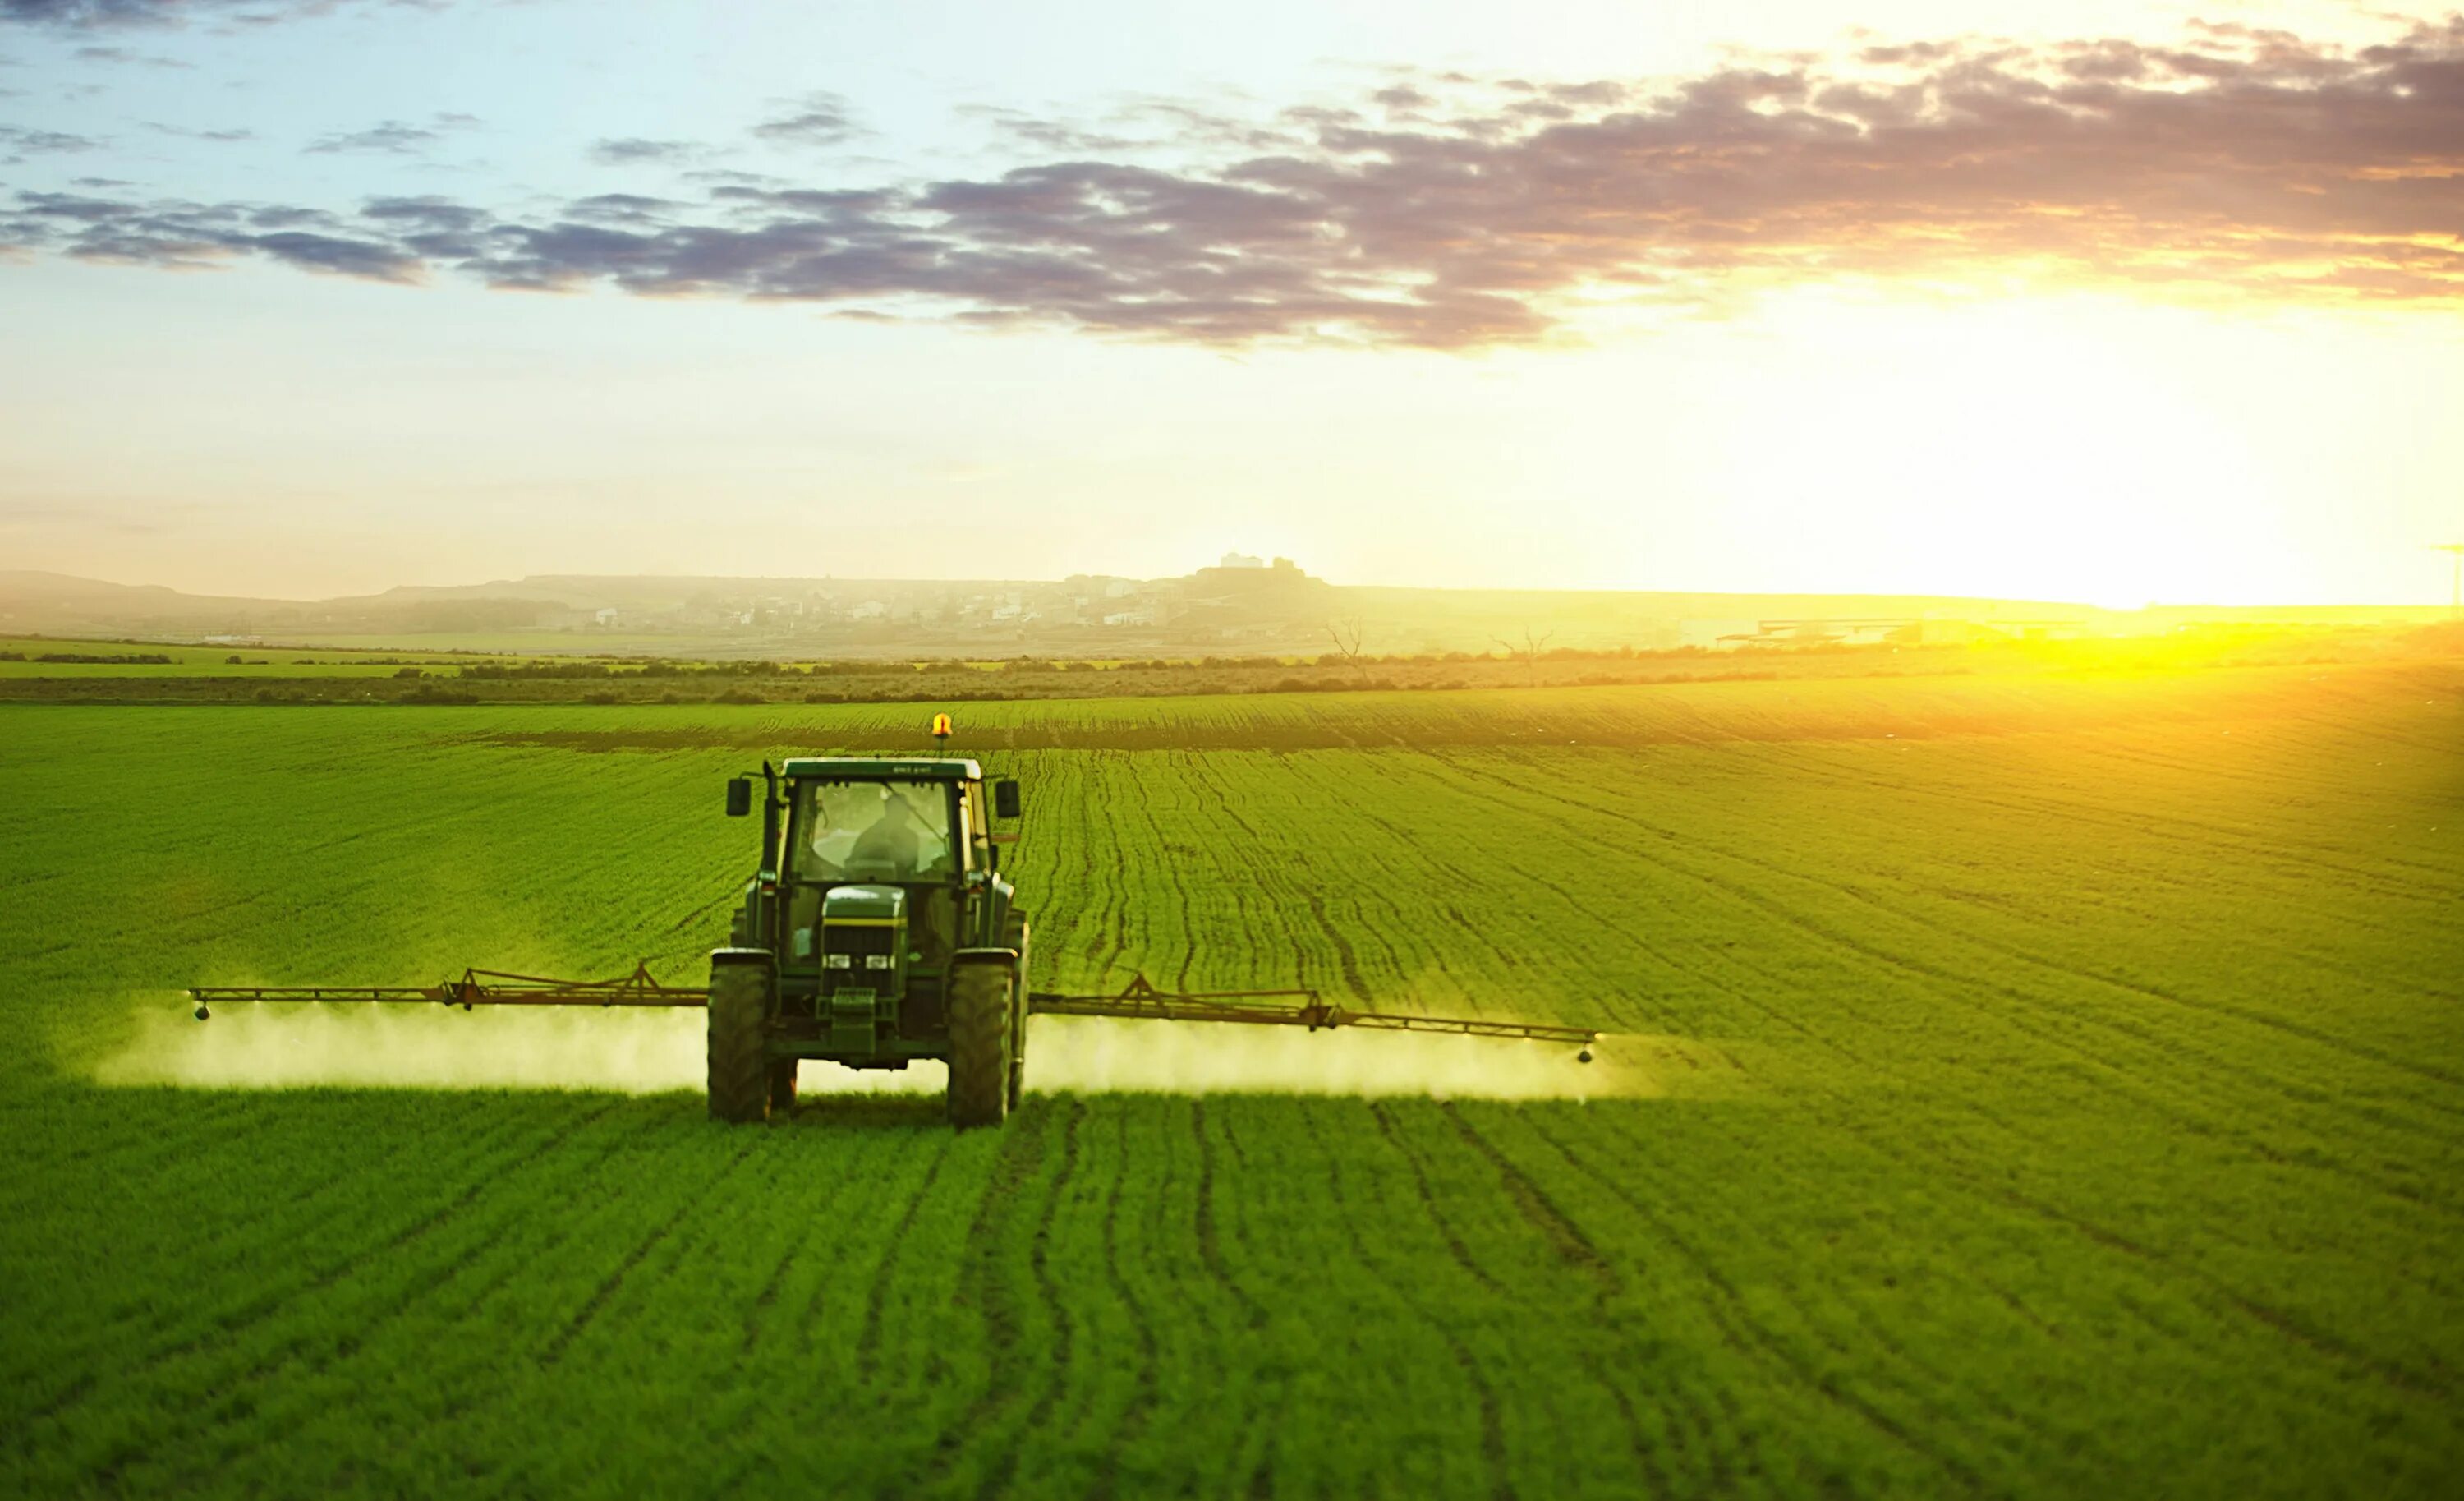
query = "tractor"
x=877 y=930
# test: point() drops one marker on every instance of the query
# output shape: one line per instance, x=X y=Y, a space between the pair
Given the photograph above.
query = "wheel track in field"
x=1019 y=1163
x=2203 y=834
x=867 y=1343
x=2072 y=971
x=1755 y=1341
x=1919 y=918
x=263 y=1304
x=1567 y=898
x=1169 y=865
x=2166 y=858
x=1990 y=1123
x=1920 y=1167
x=1213 y=790
x=1778 y=911
x=1134 y=1416
x=1942 y=1412
x=2439 y=1385
x=1267 y=1422
x=1210 y=1244
x=2220 y=1125
x=1121 y=905
x=1345 y=959
x=2169 y=1331
x=232 y=1107
x=522 y=1258
x=1492 y=1422
x=1561 y=1234
x=1577 y=1249
x=1607 y=1282
x=886 y=1174
x=270 y=1225
x=553 y=1354
x=1048 y=1292
x=238 y=1392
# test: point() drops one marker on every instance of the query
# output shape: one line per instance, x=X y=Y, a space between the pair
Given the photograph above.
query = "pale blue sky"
x=255 y=429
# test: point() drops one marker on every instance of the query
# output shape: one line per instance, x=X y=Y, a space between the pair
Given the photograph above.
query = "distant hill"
x=1227 y=610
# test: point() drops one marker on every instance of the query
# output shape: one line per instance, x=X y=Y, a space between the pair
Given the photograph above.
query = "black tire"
x=782 y=1086
x=1015 y=934
x=979 y=1035
x=739 y=1012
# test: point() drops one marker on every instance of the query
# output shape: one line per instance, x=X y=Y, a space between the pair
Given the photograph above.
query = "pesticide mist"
x=649 y=1052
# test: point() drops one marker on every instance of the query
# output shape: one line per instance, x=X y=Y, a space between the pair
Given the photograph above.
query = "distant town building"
x=1242 y=560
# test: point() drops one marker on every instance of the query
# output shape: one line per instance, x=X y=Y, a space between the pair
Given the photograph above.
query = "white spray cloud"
x=651 y=1051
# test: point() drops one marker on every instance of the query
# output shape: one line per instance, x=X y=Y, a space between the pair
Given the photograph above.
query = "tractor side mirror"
x=740 y=796
x=1005 y=798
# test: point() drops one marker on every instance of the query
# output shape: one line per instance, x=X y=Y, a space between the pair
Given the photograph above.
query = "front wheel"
x=739 y=1014
x=980 y=1037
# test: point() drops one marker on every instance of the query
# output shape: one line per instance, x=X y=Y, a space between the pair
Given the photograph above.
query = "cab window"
x=874 y=831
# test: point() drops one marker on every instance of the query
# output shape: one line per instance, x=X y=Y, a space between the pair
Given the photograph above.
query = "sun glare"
x=2061 y=449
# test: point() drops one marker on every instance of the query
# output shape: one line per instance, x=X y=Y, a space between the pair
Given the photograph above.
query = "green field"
x=2046 y=1086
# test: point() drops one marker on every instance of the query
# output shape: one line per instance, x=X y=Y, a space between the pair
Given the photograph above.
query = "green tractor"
x=877 y=930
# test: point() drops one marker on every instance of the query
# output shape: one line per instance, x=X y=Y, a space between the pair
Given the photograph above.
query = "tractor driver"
x=900 y=838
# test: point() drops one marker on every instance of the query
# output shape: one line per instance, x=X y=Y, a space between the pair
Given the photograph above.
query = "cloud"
x=392 y=138
x=123 y=55
x=43 y=142
x=2238 y=164
x=820 y=119
x=625 y=151
x=188 y=237
x=190 y=133
x=91 y=14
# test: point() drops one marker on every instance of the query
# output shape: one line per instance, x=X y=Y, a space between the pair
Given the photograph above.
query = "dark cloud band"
x=1452 y=212
x=89 y=14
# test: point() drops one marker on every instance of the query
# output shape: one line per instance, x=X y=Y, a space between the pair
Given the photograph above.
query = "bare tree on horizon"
x=1529 y=651
x=1348 y=633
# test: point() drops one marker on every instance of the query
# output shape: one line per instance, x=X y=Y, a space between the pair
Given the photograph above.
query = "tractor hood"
x=864 y=904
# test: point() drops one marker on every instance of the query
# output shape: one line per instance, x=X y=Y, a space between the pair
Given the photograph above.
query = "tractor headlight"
x=876 y=961
x=837 y=962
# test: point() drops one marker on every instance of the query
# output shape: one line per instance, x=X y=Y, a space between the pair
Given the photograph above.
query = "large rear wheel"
x=1015 y=934
x=979 y=1038
x=739 y=1010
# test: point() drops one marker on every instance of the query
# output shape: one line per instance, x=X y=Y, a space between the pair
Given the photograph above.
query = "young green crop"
x=2058 y=1087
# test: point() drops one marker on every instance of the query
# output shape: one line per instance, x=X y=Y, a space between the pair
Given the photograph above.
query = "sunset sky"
x=2094 y=301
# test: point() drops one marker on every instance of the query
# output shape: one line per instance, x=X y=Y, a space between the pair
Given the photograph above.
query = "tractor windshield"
x=873 y=831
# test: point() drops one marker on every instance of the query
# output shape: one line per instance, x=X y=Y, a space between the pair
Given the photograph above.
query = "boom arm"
x=1141 y=999
x=475 y=987
x=1137 y=1001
